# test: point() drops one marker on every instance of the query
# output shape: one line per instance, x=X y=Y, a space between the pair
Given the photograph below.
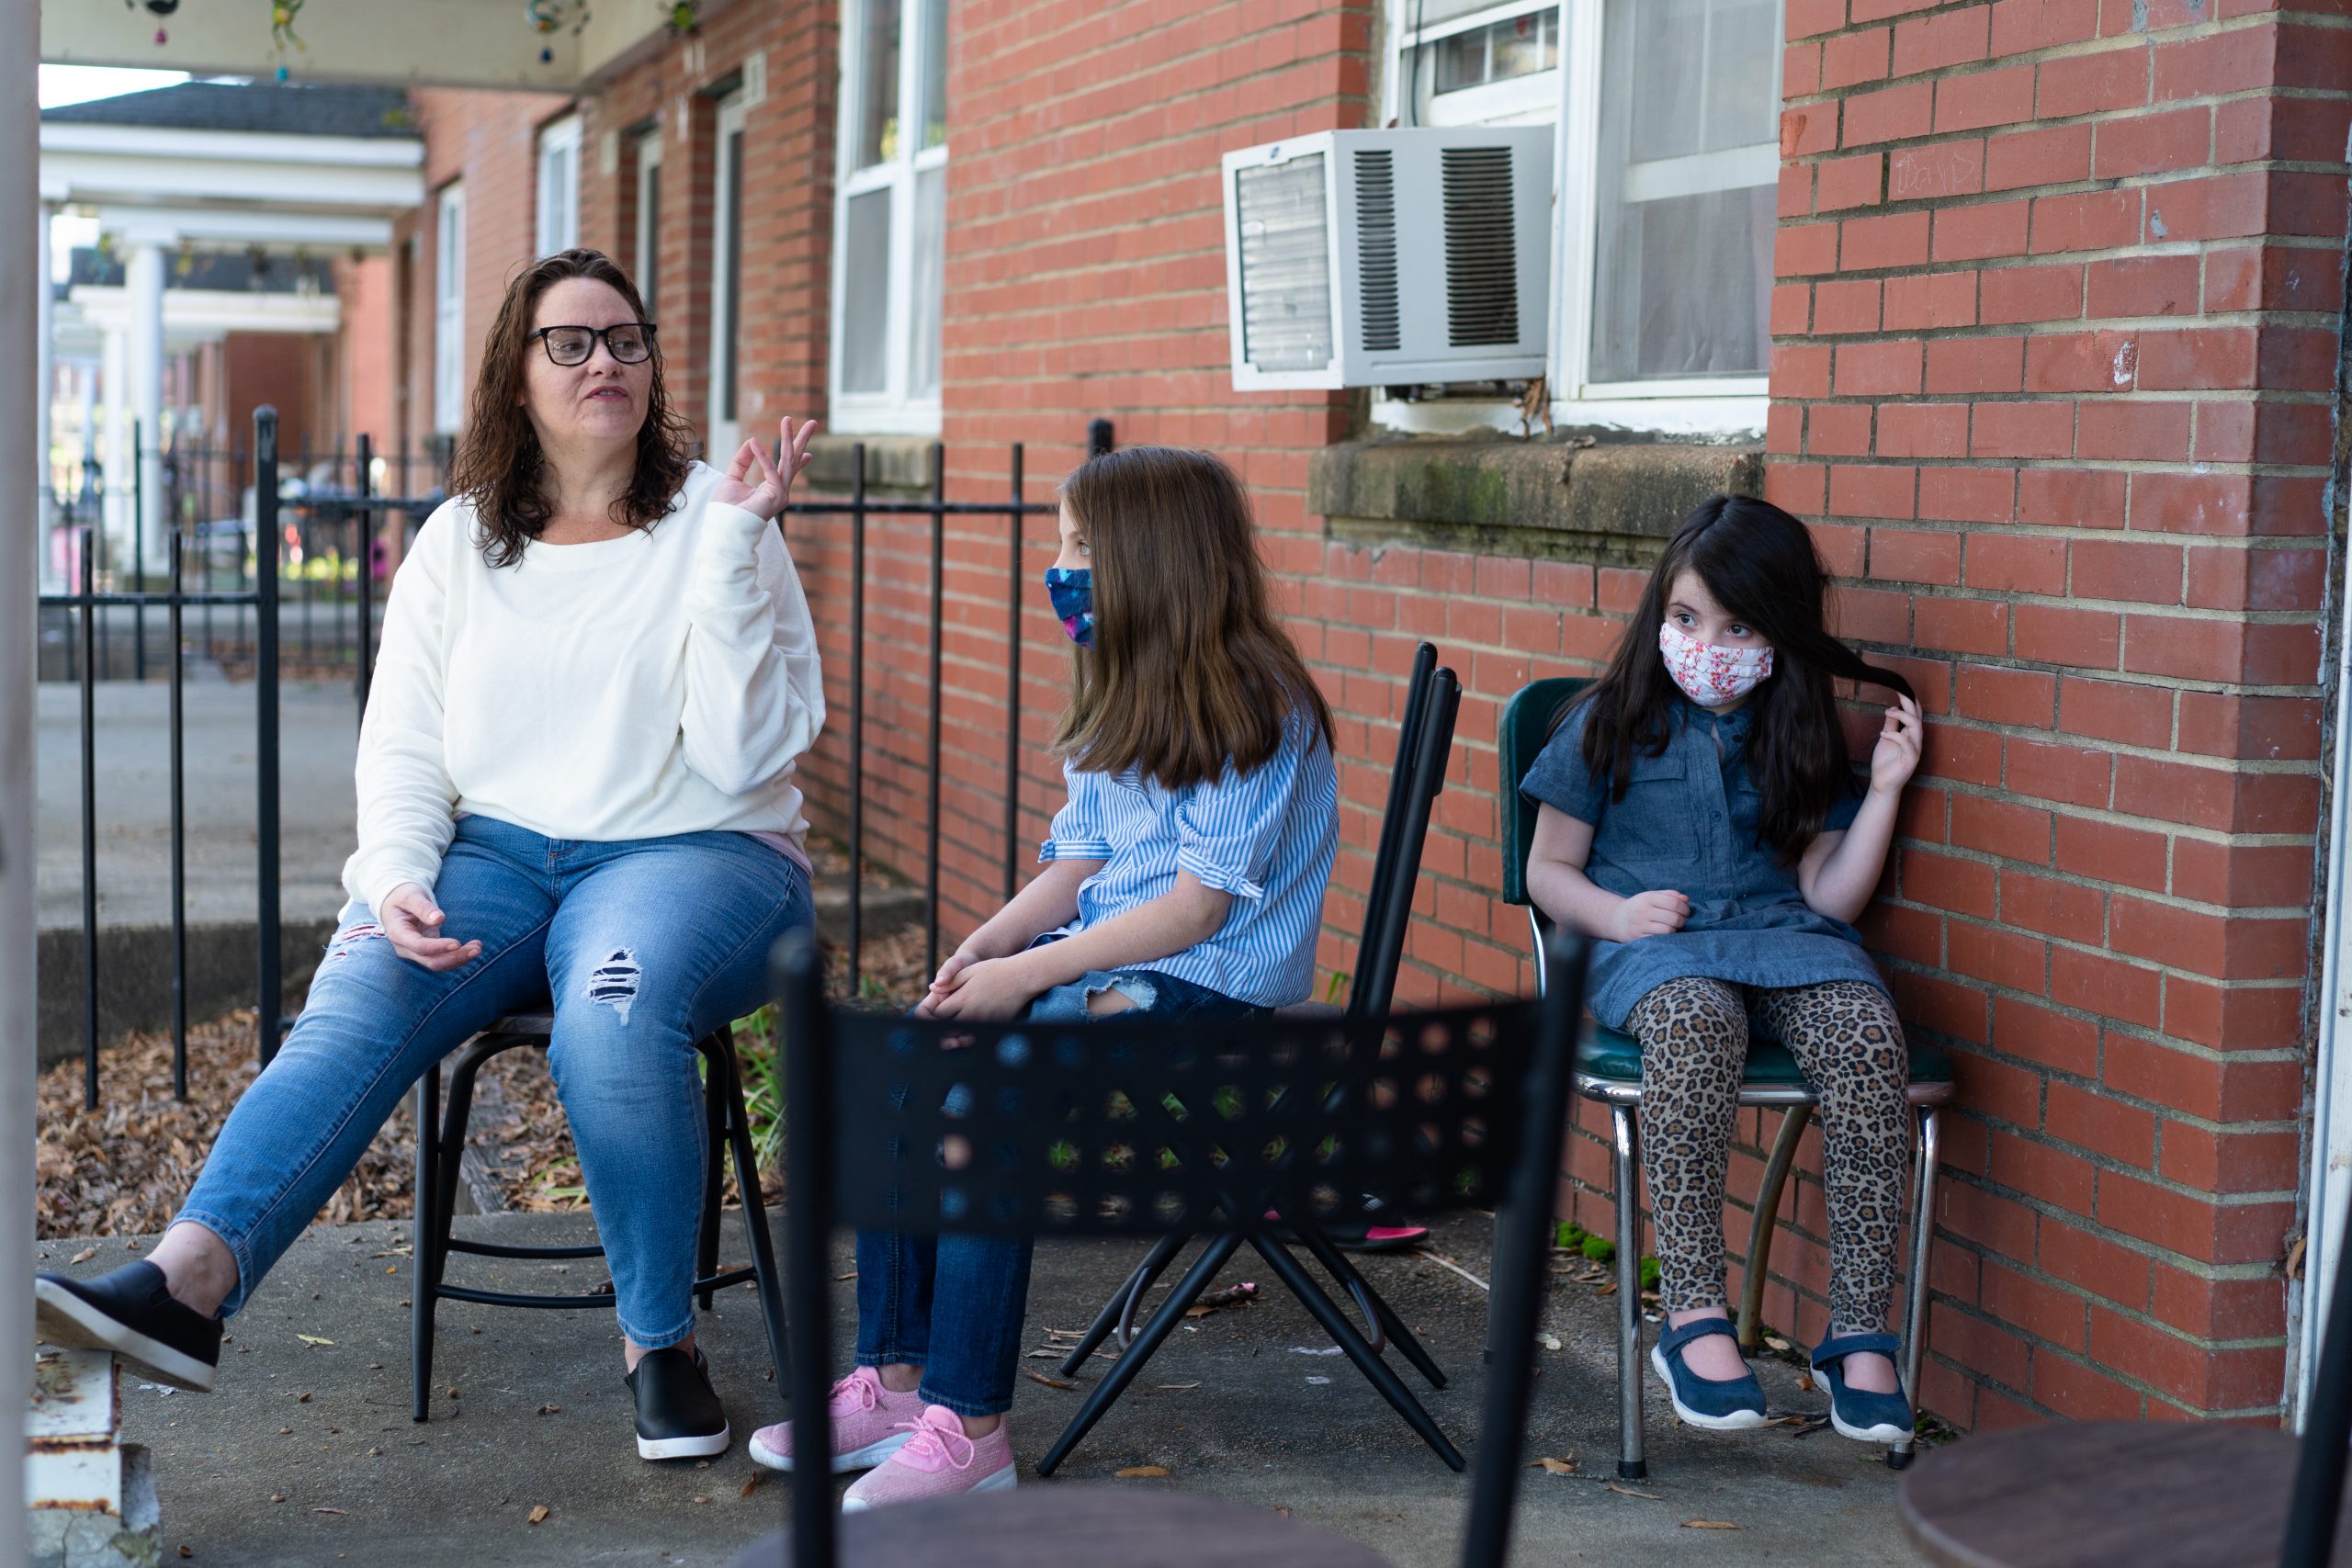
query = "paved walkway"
x=1232 y=1409
x=318 y=739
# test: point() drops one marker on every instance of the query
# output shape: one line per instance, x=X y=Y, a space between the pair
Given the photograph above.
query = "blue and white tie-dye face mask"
x=1072 y=592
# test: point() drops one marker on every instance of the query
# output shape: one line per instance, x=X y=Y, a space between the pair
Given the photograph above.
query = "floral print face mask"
x=1708 y=673
x=1072 y=592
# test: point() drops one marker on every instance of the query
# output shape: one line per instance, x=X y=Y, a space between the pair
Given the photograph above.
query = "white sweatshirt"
x=657 y=684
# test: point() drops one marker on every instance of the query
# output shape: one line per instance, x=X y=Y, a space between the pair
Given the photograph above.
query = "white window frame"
x=449 y=308
x=647 y=271
x=894 y=411
x=1570 y=95
x=559 y=184
x=726 y=247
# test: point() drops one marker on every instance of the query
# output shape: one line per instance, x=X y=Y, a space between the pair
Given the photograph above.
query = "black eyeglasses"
x=631 y=343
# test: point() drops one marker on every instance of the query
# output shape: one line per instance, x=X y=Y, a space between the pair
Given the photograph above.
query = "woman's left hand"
x=992 y=989
x=1897 y=756
x=757 y=485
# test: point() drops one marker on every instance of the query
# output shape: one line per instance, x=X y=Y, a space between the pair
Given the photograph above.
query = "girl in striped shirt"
x=1184 y=877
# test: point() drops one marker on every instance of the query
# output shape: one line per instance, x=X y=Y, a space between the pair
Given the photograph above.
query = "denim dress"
x=1688 y=825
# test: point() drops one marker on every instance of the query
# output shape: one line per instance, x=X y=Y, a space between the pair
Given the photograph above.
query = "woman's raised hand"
x=1897 y=756
x=757 y=485
x=412 y=923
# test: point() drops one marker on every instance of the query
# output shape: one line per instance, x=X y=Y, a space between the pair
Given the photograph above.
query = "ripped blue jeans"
x=644 y=945
x=953 y=1305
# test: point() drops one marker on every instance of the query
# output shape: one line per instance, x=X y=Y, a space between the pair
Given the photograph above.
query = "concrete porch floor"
x=1266 y=1425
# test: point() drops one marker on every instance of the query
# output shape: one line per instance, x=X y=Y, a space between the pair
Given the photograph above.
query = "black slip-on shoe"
x=678 y=1415
x=129 y=1312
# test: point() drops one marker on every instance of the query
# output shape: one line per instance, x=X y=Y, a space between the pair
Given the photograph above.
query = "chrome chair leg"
x=1628 y=1175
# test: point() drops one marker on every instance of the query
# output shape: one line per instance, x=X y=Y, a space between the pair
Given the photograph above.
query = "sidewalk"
x=1233 y=1409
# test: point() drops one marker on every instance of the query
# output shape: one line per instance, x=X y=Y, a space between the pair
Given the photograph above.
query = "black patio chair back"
x=1143 y=1127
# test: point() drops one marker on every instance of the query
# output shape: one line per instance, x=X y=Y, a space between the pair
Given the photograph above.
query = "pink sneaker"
x=870 y=1424
x=939 y=1461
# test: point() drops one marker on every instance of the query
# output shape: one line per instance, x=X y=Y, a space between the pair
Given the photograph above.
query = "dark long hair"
x=1190 y=669
x=1760 y=565
x=499 y=466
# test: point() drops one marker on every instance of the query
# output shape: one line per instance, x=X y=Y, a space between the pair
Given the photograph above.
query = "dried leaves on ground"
x=125 y=1169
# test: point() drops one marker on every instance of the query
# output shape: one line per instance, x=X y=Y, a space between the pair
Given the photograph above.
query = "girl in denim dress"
x=1699 y=820
x=1183 y=877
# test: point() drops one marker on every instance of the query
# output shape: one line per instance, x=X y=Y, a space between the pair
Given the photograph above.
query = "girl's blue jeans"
x=644 y=945
x=952 y=1305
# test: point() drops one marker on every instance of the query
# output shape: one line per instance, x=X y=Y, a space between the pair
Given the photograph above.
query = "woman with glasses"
x=575 y=783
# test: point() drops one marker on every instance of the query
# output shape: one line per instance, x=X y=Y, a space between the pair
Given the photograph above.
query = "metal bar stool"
x=440 y=1146
x=1609 y=1071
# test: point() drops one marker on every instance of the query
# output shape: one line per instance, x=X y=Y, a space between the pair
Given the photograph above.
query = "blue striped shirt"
x=1267 y=837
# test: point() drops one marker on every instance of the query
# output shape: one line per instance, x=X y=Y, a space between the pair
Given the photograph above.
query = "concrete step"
x=90 y=1500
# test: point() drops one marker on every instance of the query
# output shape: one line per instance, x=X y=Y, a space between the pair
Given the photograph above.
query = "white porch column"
x=144 y=288
x=44 y=370
x=19 y=193
x=114 y=389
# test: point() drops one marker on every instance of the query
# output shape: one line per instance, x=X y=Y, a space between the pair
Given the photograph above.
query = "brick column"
x=2055 y=340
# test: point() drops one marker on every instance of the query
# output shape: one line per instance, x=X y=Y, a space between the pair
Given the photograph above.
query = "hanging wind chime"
x=281 y=31
x=549 y=17
x=158 y=8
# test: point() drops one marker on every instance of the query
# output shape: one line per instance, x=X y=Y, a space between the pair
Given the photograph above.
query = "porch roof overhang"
x=193 y=316
x=453 y=43
x=234 y=187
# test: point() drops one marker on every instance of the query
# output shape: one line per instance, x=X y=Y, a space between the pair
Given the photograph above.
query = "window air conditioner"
x=1371 y=258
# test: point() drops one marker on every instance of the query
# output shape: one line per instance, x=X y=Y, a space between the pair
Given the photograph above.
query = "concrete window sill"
x=1613 y=505
x=899 y=465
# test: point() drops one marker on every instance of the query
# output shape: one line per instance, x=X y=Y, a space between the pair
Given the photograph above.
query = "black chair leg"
x=1115 y=1311
x=426 y=1213
x=713 y=1171
x=1334 y=1323
x=447 y=1180
x=1123 y=1372
x=766 y=1277
x=1336 y=1264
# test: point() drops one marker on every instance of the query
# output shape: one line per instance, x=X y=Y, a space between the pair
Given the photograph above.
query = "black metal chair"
x=1424 y=742
x=1138 y=1127
x=440 y=1146
x=2151 y=1494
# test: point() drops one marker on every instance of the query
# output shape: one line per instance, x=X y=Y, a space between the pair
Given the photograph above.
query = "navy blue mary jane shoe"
x=1859 y=1414
x=1730 y=1404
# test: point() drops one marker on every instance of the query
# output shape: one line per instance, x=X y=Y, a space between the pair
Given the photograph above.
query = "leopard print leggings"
x=1849 y=1046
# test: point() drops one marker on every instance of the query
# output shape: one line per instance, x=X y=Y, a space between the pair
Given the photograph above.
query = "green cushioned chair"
x=1609 y=1070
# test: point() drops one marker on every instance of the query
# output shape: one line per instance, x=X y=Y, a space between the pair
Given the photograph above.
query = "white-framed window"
x=890 y=221
x=449 y=308
x=559 y=184
x=647 y=270
x=727 y=281
x=1668 y=115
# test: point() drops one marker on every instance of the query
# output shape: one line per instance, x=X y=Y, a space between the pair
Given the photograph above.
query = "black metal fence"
x=312 y=549
x=859 y=507
x=329 y=554
x=83 y=608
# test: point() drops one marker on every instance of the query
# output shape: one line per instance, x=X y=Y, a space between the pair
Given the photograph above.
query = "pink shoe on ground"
x=870 y=1424
x=939 y=1461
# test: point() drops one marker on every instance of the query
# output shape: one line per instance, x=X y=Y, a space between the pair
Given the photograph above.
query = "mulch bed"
x=124 y=1168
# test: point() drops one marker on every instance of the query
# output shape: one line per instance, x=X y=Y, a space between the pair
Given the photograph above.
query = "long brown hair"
x=499 y=466
x=1189 y=670
x=1760 y=565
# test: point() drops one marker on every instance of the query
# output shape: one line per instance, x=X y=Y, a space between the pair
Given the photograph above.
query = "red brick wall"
x=2051 y=374
x=2055 y=336
x=1084 y=279
x=491 y=141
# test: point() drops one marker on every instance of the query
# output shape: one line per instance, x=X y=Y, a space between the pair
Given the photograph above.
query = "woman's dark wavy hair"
x=1760 y=565
x=499 y=466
